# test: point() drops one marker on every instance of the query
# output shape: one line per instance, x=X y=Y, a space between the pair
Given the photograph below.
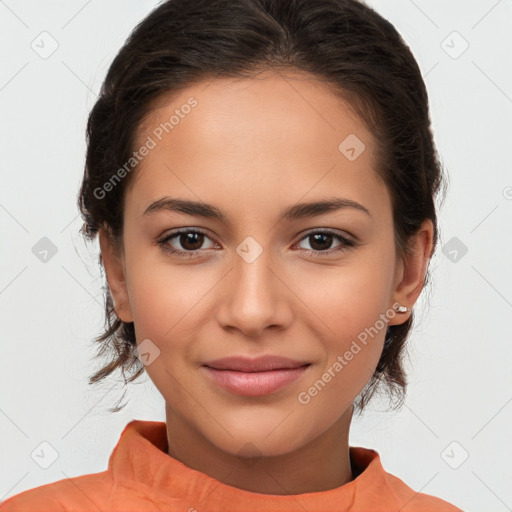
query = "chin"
x=262 y=437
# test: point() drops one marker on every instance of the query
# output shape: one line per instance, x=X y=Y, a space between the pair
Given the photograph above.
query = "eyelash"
x=346 y=243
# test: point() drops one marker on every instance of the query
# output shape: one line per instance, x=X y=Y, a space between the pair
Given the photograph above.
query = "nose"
x=254 y=296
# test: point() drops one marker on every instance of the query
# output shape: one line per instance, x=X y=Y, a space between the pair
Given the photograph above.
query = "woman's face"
x=262 y=270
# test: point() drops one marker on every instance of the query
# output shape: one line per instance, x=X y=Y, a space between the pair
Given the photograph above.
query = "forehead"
x=298 y=105
x=273 y=136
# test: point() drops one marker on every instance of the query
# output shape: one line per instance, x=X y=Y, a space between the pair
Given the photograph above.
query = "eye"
x=190 y=240
x=321 y=242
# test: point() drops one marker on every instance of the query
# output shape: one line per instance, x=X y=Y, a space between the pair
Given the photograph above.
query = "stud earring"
x=399 y=308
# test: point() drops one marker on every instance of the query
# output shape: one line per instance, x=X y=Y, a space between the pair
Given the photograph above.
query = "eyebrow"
x=295 y=212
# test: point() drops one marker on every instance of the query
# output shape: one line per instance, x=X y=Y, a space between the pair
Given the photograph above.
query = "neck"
x=321 y=465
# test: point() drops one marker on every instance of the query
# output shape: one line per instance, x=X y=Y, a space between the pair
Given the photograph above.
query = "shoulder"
x=413 y=501
x=84 y=492
x=376 y=489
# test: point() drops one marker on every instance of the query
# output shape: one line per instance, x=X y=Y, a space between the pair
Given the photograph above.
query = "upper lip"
x=260 y=364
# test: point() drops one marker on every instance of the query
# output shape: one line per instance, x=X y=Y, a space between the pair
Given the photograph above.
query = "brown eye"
x=185 y=242
x=321 y=243
x=191 y=241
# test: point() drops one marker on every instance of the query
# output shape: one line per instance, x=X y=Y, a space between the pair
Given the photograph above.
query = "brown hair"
x=344 y=43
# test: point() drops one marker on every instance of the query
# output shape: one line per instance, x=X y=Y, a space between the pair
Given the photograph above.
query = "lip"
x=255 y=377
x=259 y=364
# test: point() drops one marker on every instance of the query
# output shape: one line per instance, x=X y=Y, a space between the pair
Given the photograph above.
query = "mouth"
x=255 y=377
x=260 y=364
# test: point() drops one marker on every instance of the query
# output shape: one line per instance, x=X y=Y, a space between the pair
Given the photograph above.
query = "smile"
x=255 y=383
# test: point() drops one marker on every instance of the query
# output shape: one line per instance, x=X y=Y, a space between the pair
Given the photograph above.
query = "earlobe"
x=413 y=272
x=113 y=262
x=400 y=308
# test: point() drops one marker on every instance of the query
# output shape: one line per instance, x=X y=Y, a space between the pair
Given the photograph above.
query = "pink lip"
x=258 y=364
x=254 y=377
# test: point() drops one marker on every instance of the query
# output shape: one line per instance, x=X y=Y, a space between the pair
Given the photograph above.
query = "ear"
x=411 y=271
x=113 y=261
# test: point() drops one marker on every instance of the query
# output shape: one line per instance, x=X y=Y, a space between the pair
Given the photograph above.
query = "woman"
x=262 y=177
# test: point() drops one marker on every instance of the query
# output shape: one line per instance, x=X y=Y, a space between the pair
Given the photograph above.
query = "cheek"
x=351 y=297
x=352 y=303
x=165 y=304
x=166 y=298
x=351 y=356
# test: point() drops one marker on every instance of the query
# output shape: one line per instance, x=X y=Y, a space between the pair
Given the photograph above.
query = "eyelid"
x=162 y=240
x=341 y=233
x=346 y=242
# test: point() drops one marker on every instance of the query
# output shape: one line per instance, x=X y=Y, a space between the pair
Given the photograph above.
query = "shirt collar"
x=141 y=457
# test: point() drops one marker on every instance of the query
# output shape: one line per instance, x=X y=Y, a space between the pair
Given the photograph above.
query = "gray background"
x=452 y=437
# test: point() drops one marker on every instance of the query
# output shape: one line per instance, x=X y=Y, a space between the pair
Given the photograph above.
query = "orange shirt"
x=142 y=477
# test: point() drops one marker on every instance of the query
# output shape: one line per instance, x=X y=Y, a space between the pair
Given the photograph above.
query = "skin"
x=252 y=147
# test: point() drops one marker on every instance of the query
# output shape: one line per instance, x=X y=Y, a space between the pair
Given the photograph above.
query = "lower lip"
x=255 y=383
